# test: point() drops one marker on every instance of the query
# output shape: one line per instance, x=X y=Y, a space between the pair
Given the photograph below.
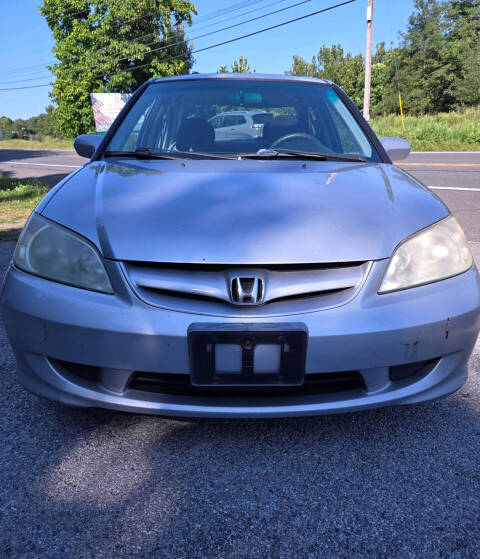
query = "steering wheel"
x=316 y=144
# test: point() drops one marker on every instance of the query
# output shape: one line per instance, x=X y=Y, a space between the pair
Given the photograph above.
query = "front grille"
x=180 y=385
x=214 y=289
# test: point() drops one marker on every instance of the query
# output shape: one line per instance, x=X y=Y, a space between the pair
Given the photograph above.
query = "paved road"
x=49 y=166
x=445 y=169
x=446 y=172
x=399 y=482
x=442 y=169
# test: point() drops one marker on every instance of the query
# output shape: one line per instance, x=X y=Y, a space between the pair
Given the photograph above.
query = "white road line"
x=39 y=164
x=454 y=188
x=452 y=152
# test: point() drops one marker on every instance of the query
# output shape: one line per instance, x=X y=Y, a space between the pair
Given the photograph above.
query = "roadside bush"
x=445 y=131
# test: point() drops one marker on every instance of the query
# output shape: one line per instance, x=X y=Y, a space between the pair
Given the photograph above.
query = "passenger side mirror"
x=86 y=144
x=397 y=148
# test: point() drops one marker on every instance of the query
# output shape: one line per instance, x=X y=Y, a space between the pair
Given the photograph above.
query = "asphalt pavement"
x=398 y=482
x=48 y=166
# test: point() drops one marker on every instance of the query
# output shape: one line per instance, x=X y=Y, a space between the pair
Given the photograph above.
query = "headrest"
x=280 y=126
x=196 y=134
x=283 y=120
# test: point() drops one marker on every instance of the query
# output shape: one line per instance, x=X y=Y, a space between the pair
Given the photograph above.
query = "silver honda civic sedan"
x=296 y=273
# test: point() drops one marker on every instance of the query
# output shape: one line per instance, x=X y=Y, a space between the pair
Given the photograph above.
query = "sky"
x=25 y=40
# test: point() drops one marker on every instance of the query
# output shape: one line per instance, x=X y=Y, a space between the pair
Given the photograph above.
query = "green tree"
x=424 y=72
x=7 y=127
x=436 y=67
x=97 y=40
x=332 y=63
x=462 y=19
x=380 y=53
x=45 y=124
x=50 y=123
x=378 y=89
x=387 y=84
x=240 y=66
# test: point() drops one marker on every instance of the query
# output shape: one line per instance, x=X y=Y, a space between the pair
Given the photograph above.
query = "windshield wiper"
x=148 y=153
x=200 y=155
x=297 y=154
x=139 y=153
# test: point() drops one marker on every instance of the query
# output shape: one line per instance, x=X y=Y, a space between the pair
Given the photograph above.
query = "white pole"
x=368 y=61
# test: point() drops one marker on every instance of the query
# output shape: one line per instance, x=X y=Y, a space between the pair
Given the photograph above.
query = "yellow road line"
x=438 y=164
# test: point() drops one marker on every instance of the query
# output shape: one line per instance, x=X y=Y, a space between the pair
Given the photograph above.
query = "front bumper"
x=119 y=335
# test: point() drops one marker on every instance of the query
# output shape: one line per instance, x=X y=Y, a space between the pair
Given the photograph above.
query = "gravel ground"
x=399 y=482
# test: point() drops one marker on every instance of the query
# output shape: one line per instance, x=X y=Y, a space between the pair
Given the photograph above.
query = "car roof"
x=234 y=113
x=253 y=77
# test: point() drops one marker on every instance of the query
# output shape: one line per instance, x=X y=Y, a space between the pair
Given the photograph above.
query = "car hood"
x=243 y=212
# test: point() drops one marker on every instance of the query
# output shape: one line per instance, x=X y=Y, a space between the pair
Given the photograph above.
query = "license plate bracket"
x=247 y=355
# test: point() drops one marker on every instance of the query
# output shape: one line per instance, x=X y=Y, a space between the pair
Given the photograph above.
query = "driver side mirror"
x=86 y=144
x=397 y=148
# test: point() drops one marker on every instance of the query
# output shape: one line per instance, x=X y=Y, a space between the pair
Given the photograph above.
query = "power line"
x=240 y=15
x=213 y=15
x=209 y=33
x=227 y=10
x=234 y=39
x=25 y=87
x=42 y=66
x=169 y=45
x=26 y=80
x=263 y=30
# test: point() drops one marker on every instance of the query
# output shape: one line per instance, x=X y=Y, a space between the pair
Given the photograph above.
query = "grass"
x=18 y=198
x=44 y=143
x=445 y=131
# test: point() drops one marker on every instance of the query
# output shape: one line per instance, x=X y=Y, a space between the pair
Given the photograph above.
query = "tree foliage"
x=436 y=67
x=240 y=66
x=423 y=66
x=44 y=124
x=97 y=40
x=463 y=28
x=334 y=64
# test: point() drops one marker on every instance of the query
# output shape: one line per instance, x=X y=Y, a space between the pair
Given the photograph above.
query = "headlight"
x=50 y=251
x=435 y=253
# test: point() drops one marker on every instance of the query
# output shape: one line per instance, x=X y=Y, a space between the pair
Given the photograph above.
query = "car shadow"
x=98 y=483
x=48 y=179
x=10 y=235
x=8 y=154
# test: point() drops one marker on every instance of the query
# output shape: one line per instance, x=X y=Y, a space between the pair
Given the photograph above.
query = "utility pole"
x=368 y=61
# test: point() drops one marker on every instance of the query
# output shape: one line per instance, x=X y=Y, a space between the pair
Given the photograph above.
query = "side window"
x=351 y=136
x=130 y=131
x=323 y=127
x=229 y=120
x=262 y=118
x=217 y=122
x=233 y=120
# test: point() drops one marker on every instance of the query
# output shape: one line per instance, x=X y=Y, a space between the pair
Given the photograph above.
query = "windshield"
x=235 y=117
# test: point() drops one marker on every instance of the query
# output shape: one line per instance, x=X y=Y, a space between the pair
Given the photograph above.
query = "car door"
x=217 y=123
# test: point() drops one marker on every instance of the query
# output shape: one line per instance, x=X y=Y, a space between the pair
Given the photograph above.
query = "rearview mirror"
x=397 y=148
x=86 y=144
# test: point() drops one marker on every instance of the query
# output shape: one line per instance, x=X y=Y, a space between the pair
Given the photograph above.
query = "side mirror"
x=397 y=148
x=86 y=144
